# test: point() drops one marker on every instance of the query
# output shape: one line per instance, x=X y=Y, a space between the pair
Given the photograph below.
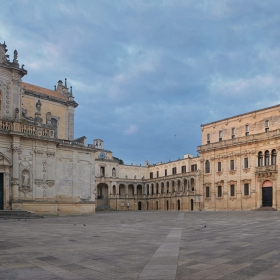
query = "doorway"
x=139 y=205
x=179 y=206
x=267 y=194
x=167 y=205
x=191 y=204
x=1 y=192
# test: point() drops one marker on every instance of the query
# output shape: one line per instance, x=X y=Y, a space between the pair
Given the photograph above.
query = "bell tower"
x=10 y=84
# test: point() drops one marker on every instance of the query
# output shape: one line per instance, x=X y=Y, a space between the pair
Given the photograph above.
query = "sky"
x=148 y=73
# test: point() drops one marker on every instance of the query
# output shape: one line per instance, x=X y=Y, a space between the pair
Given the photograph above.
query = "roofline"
x=244 y=114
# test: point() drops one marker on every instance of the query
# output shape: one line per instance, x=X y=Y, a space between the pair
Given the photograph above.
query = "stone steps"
x=266 y=209
x=18 y=214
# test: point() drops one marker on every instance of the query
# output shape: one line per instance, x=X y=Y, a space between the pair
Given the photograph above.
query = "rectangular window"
x=184 y=170
x=165 y=172
x=231 y=164
x=266 y=126
x=220 y=135
x=174 y=170
x=151 y=175
x=233 y=133
x=208 y=138
x=232 y=190
x=246 y=130
x=246 y=189
x=207 y=191
x=193 y=167
x=246 y=163
x=219 y=191
x=157 y=174
x=219 y=166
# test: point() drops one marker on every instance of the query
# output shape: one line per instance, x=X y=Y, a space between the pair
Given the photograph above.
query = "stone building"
x=45 y=169
x=239 y=161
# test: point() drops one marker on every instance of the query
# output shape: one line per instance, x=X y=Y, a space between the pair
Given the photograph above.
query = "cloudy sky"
x=147 y=73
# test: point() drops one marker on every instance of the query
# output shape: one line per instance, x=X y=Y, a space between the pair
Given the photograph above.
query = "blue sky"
x=146 y=74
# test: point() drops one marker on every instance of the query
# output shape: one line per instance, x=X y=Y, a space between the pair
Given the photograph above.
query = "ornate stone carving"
x=40 y=152
x=44 y=163
x=25 y=187
x=44 y=183
x=50 y=154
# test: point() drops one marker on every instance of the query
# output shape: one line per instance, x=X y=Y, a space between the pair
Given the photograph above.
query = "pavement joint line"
x=148 y=271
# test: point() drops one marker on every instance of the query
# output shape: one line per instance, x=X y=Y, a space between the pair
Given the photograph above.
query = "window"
x=219 y=166
x=207 y=166
x=219 y=191
x=207 y=191
x=193 y=167
x=260 y=159
x=246 y=189
x=220 y=135
x=246 y=130
x=231 y=164
x=157 y=174
x=233 y=133
x=273 y=157
x=151 y=175
x=246 y=163
x=232 y=190
x=165 y=172
x=208 y=138
x=266 y=126
x=266 y=158
x=184 y=170
x=174 y=170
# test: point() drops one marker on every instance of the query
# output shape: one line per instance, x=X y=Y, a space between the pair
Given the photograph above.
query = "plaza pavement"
x=143 y=245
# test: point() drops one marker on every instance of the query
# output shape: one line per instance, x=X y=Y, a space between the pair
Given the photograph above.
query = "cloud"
x=131 y=130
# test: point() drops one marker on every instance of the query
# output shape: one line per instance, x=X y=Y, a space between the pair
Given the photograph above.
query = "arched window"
x=273 y=157
x=266 y=158
x=207 y=166
x=260 y=159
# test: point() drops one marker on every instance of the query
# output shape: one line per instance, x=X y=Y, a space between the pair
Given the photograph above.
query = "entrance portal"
x=191 y=204
x=1 y=192
x=179 y=205
x=139 y=205
x=267 y=194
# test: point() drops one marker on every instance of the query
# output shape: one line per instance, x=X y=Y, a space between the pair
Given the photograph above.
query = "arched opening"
x=273 y=157
x=178 y=205
x=167 y=187
x=130 y=190
x=173 y=186
x=148 y=189
x=267 y=195
x=191 y=204
x=139 y=190
x=156 y=205
x=157 y=191
x=152 y=191
x=102 y=195
x=260 y=159
x=122 y=190
x=167 y=205
x=114 y=190
x=139 y=205
x=185 y=185
x=266 y=158
x=192 y=184
x=179 y=186
x=162 y=188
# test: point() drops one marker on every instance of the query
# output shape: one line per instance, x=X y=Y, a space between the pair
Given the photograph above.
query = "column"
x=15 y=174
x=7 y=190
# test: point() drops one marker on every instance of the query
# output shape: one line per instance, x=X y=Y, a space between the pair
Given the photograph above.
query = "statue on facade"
x=25 y=179
x=38 y=105
x=49 y=118
x=15 y=56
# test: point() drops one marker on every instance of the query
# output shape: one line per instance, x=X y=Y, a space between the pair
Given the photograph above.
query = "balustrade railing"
x=267 y=168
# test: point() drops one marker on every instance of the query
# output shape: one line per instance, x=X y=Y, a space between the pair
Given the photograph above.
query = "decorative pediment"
x=4 y=160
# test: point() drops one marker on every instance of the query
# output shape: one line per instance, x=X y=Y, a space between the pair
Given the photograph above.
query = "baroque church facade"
x=45 y=169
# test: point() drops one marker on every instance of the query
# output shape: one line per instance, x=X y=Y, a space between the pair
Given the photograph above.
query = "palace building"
x=45 y=169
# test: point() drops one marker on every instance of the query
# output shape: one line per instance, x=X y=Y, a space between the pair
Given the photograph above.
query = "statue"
x=25 y=179
x=114 y=172
x=38 y=105
x=49 y=118
x=15 y=56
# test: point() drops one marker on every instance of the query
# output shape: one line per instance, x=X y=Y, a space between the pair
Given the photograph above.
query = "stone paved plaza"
x=143 y=245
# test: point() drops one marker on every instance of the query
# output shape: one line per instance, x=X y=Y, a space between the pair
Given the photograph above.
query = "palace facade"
x=45 y=169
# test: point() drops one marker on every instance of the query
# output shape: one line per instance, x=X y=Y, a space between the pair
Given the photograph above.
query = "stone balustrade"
x=27 y=129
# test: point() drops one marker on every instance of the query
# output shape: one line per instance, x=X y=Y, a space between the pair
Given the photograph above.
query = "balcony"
x=267 y=168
